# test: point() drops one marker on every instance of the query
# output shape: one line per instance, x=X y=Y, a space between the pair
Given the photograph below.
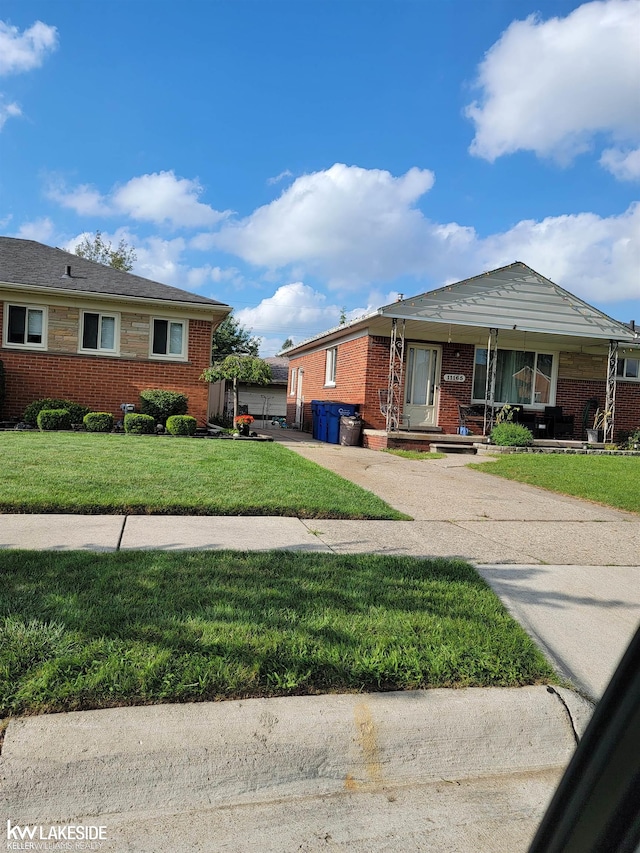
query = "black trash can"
x=350 y=430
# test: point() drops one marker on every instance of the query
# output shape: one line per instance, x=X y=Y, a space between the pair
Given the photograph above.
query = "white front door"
x=299 y=400
x=421 y=385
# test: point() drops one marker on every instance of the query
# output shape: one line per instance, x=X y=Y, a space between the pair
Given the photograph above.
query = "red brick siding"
x=104 y=383
x=363 y=368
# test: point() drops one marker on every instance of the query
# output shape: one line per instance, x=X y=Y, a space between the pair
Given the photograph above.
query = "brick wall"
x=363 y=366
x=103 y=383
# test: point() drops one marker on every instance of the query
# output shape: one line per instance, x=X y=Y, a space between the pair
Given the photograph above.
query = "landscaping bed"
x=80 y=630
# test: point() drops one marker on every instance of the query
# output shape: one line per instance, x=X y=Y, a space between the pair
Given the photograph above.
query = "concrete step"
x=450 y=447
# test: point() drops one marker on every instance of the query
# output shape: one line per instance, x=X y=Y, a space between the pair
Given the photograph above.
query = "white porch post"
x=490 y=388
x=610 y=400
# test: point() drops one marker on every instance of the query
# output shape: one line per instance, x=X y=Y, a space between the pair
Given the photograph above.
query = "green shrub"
x=181 y=425
x=54 y=419
x=162 y=404
x=508 y=434
x=98 y=422
x=139 y=424
x=76 y=411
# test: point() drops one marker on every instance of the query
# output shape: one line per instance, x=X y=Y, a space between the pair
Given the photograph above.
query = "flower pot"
x=594 y=436
x=244 y=429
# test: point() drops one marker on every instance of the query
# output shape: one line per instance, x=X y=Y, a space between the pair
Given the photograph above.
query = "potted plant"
x=600 y=423
x=243 y=422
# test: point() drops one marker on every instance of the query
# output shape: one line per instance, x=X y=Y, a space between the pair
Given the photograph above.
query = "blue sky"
x=294 y=159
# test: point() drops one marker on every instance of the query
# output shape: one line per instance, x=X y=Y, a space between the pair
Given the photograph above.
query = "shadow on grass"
x=91 y=630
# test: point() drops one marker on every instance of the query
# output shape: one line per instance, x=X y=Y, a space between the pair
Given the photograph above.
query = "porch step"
x=450 y=447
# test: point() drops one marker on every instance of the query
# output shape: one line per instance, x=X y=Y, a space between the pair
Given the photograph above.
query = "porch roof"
x=524 y=305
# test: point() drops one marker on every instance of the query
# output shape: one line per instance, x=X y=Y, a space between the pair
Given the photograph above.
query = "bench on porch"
x=471 y=416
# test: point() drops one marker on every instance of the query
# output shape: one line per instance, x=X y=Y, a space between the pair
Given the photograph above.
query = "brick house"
x=420 y=366
x=82 y=331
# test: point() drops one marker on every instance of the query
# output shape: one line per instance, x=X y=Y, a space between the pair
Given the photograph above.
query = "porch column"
x=394 y=386
x=610 y=401
x=490 y=388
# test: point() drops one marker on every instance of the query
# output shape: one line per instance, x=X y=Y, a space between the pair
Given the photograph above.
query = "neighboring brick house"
x=82 y=331
x=550 y=349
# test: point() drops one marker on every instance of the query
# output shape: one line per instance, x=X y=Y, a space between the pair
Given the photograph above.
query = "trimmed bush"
x=181 y=425
x=54 y=419
x=76 y=411
x=139 y=424
x=98 y=422
x=162 y=404
x=508 y=434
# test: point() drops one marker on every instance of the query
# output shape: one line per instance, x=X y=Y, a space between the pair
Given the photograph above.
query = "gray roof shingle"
x=31 y=263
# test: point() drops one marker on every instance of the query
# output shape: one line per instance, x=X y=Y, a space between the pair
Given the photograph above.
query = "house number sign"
x=454 y=377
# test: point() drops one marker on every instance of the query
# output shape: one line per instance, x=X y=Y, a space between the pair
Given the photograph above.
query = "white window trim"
x=624 y=378
x=116 y=333
x=330 y=367
x=293 y=378
x=5 y=326
x=539 y=407
x=185 y=341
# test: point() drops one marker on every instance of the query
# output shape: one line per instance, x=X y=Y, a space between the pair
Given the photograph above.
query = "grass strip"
x=414 y=454
x=81 y=630
x=106 y=474
x=610 y=480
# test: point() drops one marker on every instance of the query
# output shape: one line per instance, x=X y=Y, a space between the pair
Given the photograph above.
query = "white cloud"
x=84 y=199
x=40 y=230
x=280 y=177
x=8 y=111
x=329 y=217
x=551 y=86
x=295 y=309
x=624 y=165
x=160 y=198
x=23 y=51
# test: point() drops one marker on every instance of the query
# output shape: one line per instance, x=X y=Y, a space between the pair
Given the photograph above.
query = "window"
x=629 y=368
x=98 y=332
x=292 y=386
x=330 y=366
x=169 y=338
x=524 y=378
x=25 y=327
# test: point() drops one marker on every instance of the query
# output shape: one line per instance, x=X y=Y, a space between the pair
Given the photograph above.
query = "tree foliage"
x=239 y=368
x=232 y=338
x=287 y=344
x=98 y=249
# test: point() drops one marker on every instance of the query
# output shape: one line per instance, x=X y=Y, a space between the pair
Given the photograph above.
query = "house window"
x=629 y=368
x=330 y=366
x=292 y=386
x=169 y=338
x=25 y=327
x=524 y=378
x=98 y=332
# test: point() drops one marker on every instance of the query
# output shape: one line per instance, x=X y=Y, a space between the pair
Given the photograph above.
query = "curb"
x=62 y=767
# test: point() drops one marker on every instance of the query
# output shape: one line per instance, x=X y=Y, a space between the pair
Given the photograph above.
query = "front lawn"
x=81 y=630
x=611 y=480
x=93 y=473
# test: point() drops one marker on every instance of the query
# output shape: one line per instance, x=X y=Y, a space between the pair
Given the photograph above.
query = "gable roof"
x=512 y=297
x=27 y=262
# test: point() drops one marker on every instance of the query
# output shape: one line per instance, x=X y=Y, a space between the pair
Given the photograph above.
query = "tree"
x=287 y=344
x=97 y=249
x=231 y=338
x=239 y=368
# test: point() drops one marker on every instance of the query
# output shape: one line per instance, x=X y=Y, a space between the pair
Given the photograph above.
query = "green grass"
x=93 y=473
x=415 y=454
x=610 y=480
x=80 y=630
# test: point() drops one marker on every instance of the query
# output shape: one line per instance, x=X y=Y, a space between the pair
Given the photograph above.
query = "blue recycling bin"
x=322 y=421
x=333 y=412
